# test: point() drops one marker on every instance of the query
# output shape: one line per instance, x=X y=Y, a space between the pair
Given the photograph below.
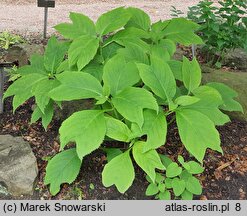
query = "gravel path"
x=23 y=16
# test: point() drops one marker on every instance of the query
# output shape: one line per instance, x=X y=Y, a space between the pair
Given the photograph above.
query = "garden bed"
x=224 y=176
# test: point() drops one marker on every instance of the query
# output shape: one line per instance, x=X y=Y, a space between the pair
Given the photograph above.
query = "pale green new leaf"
x=178 y=186
x=112 y=21
x=186 y=195
x=139 y=19
x=159 y=78
x=118 y=74
x=191 y=73
x=81 y=25
x=136 y=98
x=152 y=189
x=155 y=127
x=148 y=161
x=193 y=185
x=228 y=96
x=76 y=85
x=195 y=168
x=54 y=54
x=86 y=128
x=63 y=168
x=117 y=130
x=197 y=132
x=119 y=171
x=166 y=195
x=173 y=170
x=82 y=51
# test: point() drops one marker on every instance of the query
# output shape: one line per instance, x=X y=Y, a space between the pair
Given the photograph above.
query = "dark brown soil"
x=225 y=176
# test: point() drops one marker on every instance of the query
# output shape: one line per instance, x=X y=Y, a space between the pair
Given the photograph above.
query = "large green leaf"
x=54 y=54
x=159 y=51
x=110 y=50
x=169 y=46
x=176 y=67
x=82 y=51
x=148 y=161
x=119 y=171
x=41 y=90
x=117 y=130
x=81 y=25
x=228 y=96
x=63 y=168
x=131 y=101
x=159 y=78
x=45 y=115
x=139 y=19
x=209 y=103
x=197 y=132
x=130 y=33
x=155 y=126
x=181 y=30
x=191 y=73
x=118 y=74
x=112 y=153
x=37 y=66
x=86 y=128
x=76 y=85
x=135 y=51
x=112 y=21
x=22 y=88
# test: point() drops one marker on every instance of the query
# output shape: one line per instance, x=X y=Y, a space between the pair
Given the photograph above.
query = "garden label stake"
x=1 y=89
x=46 y=4
x=2 y=80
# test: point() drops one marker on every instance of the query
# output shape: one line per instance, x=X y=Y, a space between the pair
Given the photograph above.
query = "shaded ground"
x=224 y=176
x=24 y=17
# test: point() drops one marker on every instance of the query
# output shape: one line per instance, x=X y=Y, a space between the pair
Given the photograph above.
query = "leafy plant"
x=176 y=12
x=177 y=179
x=132 y=78
x=7 y=39
x=223 y=28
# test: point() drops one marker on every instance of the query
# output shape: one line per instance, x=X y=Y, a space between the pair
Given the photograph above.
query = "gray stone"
x=18 y=165
x=236 y=59
x=21 y=53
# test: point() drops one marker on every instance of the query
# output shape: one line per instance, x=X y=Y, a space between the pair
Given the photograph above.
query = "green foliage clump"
x=7 y=39
x=223 y=27
x=177 y=179
x=125 y=64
